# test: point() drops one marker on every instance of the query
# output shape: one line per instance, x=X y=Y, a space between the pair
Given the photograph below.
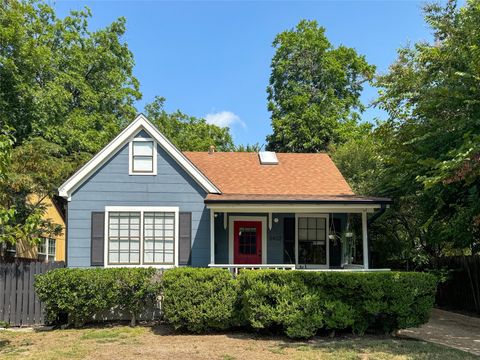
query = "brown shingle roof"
x=241 y=174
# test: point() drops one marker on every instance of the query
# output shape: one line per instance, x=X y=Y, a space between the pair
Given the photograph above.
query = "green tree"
x=188 y=133
x=248 y=148
x=66 y=91
x=360 y=162
x=32 y=168
x=62 y=82
x=431 y=141
x=6 y=144
x=314 y=90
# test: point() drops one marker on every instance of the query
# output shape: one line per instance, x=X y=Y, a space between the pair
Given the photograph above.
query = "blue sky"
x=213 y=58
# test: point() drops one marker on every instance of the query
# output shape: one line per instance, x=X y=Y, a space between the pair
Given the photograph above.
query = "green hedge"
x=298 y=303
x=79 y=294
x=199 y=299
x=302 y=303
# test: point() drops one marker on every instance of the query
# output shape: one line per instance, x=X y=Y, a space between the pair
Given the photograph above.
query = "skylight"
x=268 y=158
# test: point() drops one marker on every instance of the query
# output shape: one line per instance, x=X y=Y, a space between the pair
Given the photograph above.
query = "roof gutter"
x=383 y=202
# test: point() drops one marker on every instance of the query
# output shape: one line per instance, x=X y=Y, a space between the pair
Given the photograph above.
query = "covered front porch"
x=309 y=236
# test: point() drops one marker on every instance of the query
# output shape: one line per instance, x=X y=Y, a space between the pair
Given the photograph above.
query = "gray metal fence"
x=19 y=305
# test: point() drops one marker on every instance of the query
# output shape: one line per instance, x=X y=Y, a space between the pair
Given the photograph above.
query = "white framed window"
x=141 y=236
x=142 y=157
x=46 y=249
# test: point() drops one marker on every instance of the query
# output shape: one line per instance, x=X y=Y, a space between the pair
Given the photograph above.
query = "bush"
x=298 y=303
x=79 y=294
x=302 y=303
x=199 y=300
x=135 y=289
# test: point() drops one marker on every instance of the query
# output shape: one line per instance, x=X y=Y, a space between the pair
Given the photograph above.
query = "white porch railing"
x=235 y=268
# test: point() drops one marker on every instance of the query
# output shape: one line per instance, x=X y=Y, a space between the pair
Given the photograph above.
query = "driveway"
x=449 y=329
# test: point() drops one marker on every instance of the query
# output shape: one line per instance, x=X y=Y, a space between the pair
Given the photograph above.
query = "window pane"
x=159 y=237
x=321 y=223
x=143 y=164
x=144 y=148
x=302 y=223
x=312 y=246
x=321 y=234
x=124 y=238
x=42 y=247
x=135 y=257
x=148 y=257
x=113 y=257
x=51 y=247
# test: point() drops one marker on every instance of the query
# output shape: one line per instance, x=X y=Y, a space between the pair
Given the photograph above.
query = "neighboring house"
x=142 y=202
x=50 y=248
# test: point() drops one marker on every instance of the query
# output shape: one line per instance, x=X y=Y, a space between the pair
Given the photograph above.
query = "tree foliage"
x=65 y=91
x=6 y=144
x=429 y=147
x=314 y=90
x=360 y=161
x=188 y=133
x=62 y=82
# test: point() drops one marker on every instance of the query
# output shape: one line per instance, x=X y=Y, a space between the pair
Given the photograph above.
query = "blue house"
x=142 y=202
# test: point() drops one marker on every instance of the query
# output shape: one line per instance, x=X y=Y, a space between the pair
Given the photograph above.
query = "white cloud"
x=224 y=119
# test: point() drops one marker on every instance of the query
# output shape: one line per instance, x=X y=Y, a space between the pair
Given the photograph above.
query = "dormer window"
x=143 y=157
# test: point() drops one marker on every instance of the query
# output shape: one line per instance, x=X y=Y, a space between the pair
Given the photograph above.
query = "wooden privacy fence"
x=462 y=290
x=19 y=304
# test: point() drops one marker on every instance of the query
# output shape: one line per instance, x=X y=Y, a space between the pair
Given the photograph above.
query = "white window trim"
x=262 y=219
x=130 y=157
x=142 y=209
x=327 y=226
x=46 y=254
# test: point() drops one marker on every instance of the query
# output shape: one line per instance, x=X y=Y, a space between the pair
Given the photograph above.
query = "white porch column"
x=365 y=239
x=212 y=236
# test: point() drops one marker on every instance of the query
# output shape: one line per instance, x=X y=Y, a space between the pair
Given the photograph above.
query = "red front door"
x=247 y=242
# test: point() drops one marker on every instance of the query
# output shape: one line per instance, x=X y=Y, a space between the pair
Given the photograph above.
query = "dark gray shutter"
x=289 y=240
x=185 y=238
x=98 y=238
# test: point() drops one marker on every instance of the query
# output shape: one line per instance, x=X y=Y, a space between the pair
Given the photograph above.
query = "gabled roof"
x=241 y=175
x=140 y=123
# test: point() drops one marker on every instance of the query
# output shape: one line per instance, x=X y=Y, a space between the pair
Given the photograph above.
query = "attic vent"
x=268 y=158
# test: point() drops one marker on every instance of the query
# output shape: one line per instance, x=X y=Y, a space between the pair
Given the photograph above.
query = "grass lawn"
x=123 y=342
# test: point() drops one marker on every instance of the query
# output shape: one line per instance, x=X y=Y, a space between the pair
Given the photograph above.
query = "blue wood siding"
x=111 y=185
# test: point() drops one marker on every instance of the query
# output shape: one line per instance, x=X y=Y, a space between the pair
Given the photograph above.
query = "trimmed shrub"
x=199 y=300
x=79 y=294
x=135 y=289
x=302 y=303
x=298 y=303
